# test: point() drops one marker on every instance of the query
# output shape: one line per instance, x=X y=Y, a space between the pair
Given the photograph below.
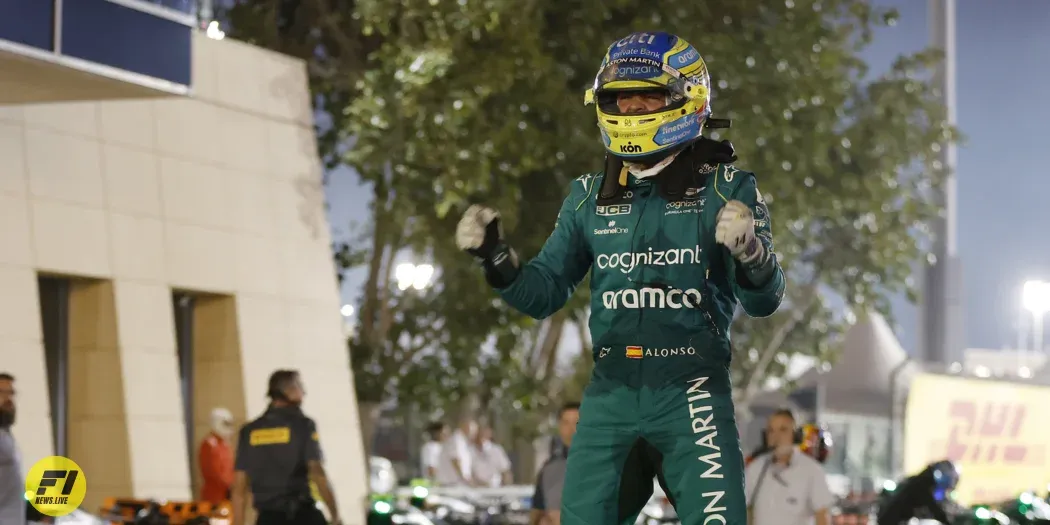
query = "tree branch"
x=798 y=311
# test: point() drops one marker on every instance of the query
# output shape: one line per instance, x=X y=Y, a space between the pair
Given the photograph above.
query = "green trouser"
x=682 y=405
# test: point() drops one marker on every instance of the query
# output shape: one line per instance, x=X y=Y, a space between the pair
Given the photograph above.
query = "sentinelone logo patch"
x=55 y=486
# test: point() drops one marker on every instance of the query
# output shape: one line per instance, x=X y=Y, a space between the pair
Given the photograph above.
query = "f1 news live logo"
x=990 y=432
x=56 y=486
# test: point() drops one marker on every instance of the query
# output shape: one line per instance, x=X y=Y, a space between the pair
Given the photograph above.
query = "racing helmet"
x=815 y=441
x=945 y=475
x=647 y=62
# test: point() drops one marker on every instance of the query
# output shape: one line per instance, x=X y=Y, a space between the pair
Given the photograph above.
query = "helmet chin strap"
x=643 y=172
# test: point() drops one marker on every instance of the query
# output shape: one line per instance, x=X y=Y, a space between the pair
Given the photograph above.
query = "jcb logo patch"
x=613 y=209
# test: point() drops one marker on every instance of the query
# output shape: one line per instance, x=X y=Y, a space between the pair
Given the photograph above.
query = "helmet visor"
x=640 y=75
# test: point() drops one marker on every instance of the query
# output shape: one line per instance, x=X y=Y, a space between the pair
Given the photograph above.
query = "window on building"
x=185 y=304
x=838 y=459
x=54 y=320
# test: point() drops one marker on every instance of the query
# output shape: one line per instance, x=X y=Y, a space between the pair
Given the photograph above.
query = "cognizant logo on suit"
x=627 y=261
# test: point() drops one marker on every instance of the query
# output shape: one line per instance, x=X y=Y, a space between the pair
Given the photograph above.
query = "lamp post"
x=895 y=429
x=415 y=276
x=1035 y=297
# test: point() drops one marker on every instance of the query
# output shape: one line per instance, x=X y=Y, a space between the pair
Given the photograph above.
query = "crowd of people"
x=464 y=456
x=784 y=481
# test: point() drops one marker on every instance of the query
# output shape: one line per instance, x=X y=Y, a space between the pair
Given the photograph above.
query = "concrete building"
x=1005 y=363
x=163 y=244
x=859 y=399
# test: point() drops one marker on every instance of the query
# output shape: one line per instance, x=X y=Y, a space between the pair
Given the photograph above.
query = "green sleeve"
x=761 y=299
x=548 y=280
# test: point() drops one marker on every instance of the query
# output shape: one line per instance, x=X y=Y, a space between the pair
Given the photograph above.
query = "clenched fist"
x=736 y=231
x=479 y=234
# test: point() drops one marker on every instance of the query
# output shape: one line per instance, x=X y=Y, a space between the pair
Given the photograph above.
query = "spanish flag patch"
x=634 y=352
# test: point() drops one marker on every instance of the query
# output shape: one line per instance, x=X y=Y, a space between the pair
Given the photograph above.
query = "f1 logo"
x=50 y=478
x=56 y=486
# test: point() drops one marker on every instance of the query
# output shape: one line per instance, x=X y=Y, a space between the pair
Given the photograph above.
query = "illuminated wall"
x=117 y=215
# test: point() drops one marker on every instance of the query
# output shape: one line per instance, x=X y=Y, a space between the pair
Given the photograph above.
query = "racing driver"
x=674 y=237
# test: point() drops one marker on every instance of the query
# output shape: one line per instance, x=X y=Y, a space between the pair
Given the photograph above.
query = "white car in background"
x=382 y=479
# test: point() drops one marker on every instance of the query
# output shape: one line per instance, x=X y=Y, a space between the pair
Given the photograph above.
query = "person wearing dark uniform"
x=278 y=456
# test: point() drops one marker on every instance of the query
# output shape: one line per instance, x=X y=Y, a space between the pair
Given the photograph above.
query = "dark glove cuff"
x=756 y=275
x=502 y=267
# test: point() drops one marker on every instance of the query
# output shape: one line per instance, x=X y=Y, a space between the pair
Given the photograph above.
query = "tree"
x=439 y=104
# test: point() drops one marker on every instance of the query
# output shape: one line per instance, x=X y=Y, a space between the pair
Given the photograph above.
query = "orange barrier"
x=120 y=511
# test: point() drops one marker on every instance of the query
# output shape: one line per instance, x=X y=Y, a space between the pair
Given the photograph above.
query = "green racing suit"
x=663 y=294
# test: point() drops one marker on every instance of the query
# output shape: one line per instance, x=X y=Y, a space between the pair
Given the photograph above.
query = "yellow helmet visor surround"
x=647 y=62
x=639 y=135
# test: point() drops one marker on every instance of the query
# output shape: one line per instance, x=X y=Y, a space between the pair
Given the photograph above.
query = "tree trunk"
x=368 y=413
x=548 y=347
x=525 y=465
x=369 y=305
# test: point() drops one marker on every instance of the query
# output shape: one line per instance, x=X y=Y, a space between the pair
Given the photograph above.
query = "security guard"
x=278 y=456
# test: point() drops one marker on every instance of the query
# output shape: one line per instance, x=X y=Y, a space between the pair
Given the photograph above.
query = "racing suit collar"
x=642 y=172
x=698 y=159
x=291 y=410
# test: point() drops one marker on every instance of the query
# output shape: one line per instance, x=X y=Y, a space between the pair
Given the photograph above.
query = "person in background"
x=927 y=491
x=12 y=475
x=278 y=457
x=454 y=465
x=430 y=456
x=216 y=458
x=491 y=466
x=546 y=499
x=786 y=486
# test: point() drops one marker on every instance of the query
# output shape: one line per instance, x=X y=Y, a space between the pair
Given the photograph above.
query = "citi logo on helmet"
x=637 y=38
x=630 y=148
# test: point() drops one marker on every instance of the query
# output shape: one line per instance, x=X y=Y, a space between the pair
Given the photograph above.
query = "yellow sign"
x=55 y=486
x=997 y=432
x=269 y=436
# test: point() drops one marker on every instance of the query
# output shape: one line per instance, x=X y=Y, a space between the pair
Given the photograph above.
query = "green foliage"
x=447 y=103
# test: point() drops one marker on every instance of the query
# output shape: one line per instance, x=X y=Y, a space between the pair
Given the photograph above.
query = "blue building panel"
x=28 y=22
x=182 y=6
x=118 y=36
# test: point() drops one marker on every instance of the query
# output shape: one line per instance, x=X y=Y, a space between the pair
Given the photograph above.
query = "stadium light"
x=416 y=276
x=1035 y=297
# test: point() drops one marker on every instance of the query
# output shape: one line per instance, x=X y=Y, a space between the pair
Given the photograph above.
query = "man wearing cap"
x=278 y=456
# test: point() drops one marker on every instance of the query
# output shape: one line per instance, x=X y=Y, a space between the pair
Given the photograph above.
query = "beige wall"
x=220 y=194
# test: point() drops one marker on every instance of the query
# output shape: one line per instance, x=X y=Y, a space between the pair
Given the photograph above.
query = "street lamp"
x=415 y=276
x=1036 y=299
x=349 y=323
